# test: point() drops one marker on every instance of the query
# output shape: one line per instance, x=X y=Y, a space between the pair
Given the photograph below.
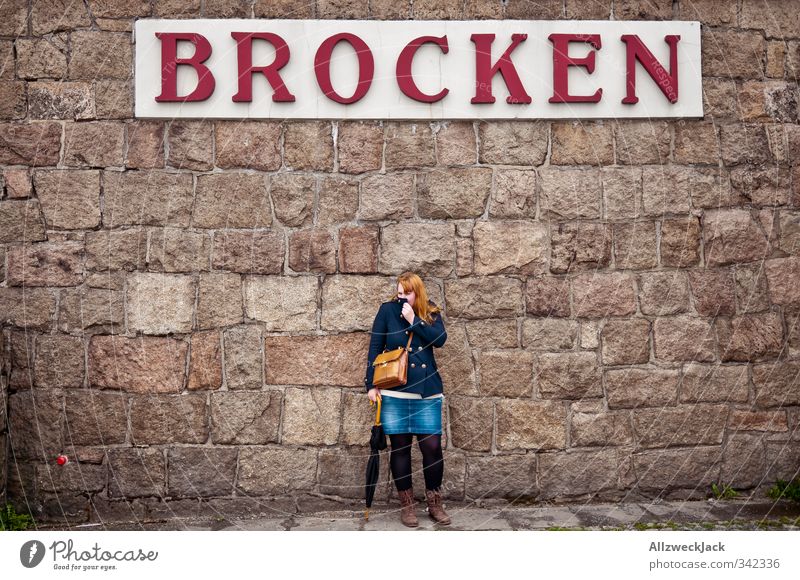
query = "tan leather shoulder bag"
x=391 y=367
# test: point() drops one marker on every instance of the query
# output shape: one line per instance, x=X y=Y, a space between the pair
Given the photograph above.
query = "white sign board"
x=483 y=69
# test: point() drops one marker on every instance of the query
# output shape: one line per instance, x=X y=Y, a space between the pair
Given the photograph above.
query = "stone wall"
x=621 y=298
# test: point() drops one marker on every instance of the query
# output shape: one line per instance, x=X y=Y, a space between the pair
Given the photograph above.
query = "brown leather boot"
x=435 y=509
x=407 y=515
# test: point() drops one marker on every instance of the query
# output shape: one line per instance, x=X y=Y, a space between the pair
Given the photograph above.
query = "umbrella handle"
x=378 y=413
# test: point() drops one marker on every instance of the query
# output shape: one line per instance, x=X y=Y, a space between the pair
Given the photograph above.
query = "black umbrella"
x=377 y=442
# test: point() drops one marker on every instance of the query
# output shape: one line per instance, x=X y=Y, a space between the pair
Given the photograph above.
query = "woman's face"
x=410 y=296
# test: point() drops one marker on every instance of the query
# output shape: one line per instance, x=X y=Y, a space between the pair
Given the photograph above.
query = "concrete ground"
x=731 y=514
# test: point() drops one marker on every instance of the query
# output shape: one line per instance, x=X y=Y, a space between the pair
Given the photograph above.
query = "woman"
x=416 y=407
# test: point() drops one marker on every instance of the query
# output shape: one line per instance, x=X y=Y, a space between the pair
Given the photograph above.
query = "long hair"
x=422 y=305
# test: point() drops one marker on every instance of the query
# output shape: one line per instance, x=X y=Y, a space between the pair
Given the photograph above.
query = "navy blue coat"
x=390 y=330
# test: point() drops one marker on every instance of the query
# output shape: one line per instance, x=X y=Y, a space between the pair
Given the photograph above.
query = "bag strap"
x=408 y=344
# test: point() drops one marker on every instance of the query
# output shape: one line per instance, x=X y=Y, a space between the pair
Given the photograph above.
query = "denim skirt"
x=411 y=415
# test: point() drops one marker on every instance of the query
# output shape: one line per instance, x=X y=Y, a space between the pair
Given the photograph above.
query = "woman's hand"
x=374 y=394
x=408 y=313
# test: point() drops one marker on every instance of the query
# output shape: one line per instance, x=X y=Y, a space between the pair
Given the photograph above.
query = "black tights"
x=432 y=461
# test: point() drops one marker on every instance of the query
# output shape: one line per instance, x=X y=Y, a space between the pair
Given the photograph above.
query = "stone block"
x=82 y=309
x=455 y=143
x=147 y=198
x=191 y=145
x=549 y=334
x=409 y=145
x=138 y=472
x=296 y=359
x=578 y=246
x=683 y=338
x=284 y=303
x=626 y=341
x=45 y=264
x=169 y=419
x=732 y=236
x=21 y=220
x=471 y=422
x=525 y=424
x=458 y=193
x=426 y=248
x=243 y=357
x=59 y=100
x=360 y=146
x=513 y=142
x=516 y=471
x=601 y=295
x=312 y=250
x=733 y=53
x=95 y=144
x=219 y=300
x=308 y=145
x=248 y=145
x=145 y=364
x=569 y=375
x=570 y=193
x=640 y=142
x=713 y=292
x=191 y=468
x=492 y=240
x=582 y=143
x=311 y=416
x=577 y=473
x=160 y=303
x=641 y=387
x=358 y=249
x=663 y=293
x=35 y=424
x=30 y=308
x=506 y=373
x=177 y=250
x=600 y=429
x=715 y=383
x=386 y=196
x=750 y=337
x=59 y=361
x=680 y=242
x=205 y=362
x=699 y=424
x=231 y=200
x=473 y=298
x=622 y=192
x=337 y=200
x=547 y=296
x=293 y=198
x=120 y=249
x=688 y=468
x=31 y=144
x=341 y=313
x=248 y=251
x=276 y=470
x=635 y=245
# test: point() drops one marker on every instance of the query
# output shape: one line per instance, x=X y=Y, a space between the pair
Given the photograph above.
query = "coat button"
x=410 y=349
x=423 y=365
x=419 y=348
x=413 y=365
x=406 y=332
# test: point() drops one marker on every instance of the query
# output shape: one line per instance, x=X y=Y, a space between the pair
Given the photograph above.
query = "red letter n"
x=667 y=82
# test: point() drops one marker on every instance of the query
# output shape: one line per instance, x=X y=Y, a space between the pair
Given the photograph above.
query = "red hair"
x=422 y=306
